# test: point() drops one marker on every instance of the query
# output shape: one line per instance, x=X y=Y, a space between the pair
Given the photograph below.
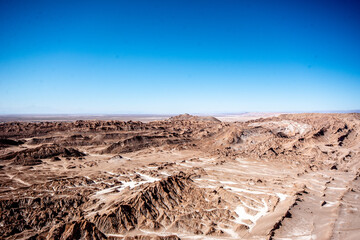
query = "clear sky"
x=179 y=56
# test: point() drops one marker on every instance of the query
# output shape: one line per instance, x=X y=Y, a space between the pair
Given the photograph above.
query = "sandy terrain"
x=290 y=176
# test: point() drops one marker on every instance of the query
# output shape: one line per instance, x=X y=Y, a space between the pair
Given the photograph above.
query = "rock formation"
x=188 y=177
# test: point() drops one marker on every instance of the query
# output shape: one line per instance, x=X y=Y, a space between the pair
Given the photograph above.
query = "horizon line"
x=167 y=114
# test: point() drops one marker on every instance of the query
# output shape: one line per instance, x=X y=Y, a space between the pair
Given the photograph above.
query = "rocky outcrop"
x=80 y=229
x=35 y=213
x=173 y=204
x=134 y=143
x=188 y=117
x=306 y=138
x=31 y=129
x=147 y=208
x=33 y=156
x=4 y=142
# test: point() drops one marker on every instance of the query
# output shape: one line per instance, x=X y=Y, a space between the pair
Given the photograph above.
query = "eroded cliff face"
x=292 y=176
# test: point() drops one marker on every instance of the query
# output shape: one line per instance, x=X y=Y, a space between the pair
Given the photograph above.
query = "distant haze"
x=170 y=57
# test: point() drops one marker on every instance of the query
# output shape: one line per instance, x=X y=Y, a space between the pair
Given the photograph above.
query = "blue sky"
x=178 y=56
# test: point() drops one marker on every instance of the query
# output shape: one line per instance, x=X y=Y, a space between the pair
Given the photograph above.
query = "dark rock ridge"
x=140 y=142
x=28 y=129
x=188 y=117
x=4 y=142
x=151 y=207
x=33 y=214
x=145 y=207
x=80 y=229
x=33 y=156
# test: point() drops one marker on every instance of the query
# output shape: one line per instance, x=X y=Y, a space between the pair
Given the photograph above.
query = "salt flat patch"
x=210 y=186
x=152 y=168
x=288 y=127
x=130 y=184
x=228 y=182
x=243 y=215
x=205 y=179
x=235 y=189
x=281 y=196
x=251 y=207
x=106 y=190
x=87 y=177
x=337 y=188
x=206 y=159
x=114 y=235
x=185 y=165
x=330 y=204
x=149 y=178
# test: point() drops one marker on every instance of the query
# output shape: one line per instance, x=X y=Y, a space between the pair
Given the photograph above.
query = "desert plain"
x=281 y=176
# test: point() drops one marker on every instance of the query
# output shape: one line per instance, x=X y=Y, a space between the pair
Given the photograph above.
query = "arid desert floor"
x=274 y=176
